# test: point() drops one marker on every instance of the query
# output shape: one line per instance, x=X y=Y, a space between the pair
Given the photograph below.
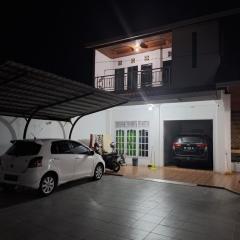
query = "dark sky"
x=51 y=35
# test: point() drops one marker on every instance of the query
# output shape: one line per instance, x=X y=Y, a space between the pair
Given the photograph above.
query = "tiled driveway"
x=121 y=208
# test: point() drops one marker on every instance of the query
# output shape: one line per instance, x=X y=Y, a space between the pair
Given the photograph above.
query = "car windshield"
x=24 y=149
x=192 y=139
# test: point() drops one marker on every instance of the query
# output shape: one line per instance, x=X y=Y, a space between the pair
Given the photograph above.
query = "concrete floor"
x=121 y=208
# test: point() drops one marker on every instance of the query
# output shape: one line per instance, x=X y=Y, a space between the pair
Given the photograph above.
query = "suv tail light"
x=202 y=146
x=176 y=145
x=35 y=162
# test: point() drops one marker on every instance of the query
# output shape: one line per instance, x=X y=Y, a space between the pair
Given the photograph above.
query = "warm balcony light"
x=137 y=46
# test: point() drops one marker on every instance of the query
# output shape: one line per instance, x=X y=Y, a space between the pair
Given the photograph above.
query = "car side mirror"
x=91 y=153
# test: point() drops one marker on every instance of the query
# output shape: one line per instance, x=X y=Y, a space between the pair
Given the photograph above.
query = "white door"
x=83 y=161
x=63 y=159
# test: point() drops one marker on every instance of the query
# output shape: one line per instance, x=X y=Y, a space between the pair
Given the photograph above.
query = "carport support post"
x=27 y=123
x=26 y=127
x=73 y=125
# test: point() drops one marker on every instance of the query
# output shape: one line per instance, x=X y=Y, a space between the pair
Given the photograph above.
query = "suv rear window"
x=24 y=149
x=192 y=139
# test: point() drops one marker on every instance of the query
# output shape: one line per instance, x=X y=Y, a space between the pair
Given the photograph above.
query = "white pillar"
x=222 y=145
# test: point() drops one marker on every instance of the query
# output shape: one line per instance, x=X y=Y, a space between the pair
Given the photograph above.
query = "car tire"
x=48 y=184
x=98 y=172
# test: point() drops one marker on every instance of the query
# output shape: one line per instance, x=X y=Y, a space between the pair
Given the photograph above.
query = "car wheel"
x=115 y=166
x=98 y=172
x=47 y=184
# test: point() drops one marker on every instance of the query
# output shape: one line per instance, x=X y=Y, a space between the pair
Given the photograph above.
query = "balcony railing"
x=131 y=81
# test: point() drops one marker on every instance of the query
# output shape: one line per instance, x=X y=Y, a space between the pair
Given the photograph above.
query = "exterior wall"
x=106 y=66
x=208 y=57
x=104 y=122
x=154 y=59
x=216 y=110
x=139 y=113
x=12 y=128
x=102 y=63
x=95 y=123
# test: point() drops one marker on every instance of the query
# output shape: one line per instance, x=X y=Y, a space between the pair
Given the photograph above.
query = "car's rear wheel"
x=98 y=172
x=47 y=184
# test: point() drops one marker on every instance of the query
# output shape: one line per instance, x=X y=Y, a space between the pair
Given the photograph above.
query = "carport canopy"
x=34 y=94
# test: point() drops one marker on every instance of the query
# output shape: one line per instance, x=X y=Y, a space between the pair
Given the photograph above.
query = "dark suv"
x=194 y=151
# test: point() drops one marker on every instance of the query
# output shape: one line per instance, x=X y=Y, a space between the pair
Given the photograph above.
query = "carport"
x=34 y=94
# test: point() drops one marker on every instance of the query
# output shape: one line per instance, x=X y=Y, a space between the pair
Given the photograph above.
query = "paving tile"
x=131 y=210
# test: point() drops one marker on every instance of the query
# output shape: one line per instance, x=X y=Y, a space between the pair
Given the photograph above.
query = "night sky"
x=52 y=36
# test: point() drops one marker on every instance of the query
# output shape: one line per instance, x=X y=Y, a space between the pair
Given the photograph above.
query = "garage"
x=179 y=128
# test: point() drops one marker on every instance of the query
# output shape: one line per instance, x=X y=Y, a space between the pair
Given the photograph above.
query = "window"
x=77 y=148
x=24 y=148
x=143 y=143
x=60 y=147
x=120 y=141
x=131 y=143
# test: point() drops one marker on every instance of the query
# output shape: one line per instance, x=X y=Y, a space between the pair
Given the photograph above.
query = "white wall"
x=95 y=123
x=216 y=110
x=102 y=63
x=138 y=113
x=104 y=122
x=106 y=66
x=12 y=128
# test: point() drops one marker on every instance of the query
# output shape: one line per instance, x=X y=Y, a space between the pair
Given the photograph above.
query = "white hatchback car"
x=44 y=164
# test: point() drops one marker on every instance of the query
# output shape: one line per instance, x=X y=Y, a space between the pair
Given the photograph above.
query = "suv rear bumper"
x=200 y=157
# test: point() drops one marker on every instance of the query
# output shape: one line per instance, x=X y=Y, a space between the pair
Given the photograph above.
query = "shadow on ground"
x=21 y=195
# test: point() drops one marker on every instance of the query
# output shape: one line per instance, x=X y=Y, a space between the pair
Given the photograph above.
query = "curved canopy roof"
x=28 y=92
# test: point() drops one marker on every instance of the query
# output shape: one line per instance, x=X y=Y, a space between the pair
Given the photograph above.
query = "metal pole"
x=73 y=125
x=27 y=123
x=26 y=127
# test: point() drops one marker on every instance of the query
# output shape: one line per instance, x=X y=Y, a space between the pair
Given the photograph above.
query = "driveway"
x=121 y=208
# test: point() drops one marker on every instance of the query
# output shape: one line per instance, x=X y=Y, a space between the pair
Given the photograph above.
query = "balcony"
x=122 y=82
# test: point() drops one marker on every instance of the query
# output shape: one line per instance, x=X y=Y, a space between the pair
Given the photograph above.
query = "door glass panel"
x=143 y=143
x=120 y=141
x=131 y=142
x=61 y=147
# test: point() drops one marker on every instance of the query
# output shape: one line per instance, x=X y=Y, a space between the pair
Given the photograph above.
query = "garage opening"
x=188 y=143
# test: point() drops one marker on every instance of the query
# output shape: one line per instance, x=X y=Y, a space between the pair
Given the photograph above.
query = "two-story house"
x=177 y=82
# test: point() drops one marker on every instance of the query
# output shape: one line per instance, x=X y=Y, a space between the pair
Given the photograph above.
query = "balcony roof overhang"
x=162 y=29
x=31 y=93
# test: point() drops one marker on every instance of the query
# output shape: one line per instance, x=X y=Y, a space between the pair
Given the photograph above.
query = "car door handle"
x=77 y=158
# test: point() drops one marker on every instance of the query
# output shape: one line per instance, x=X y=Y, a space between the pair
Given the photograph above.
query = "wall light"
x=150 y=107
